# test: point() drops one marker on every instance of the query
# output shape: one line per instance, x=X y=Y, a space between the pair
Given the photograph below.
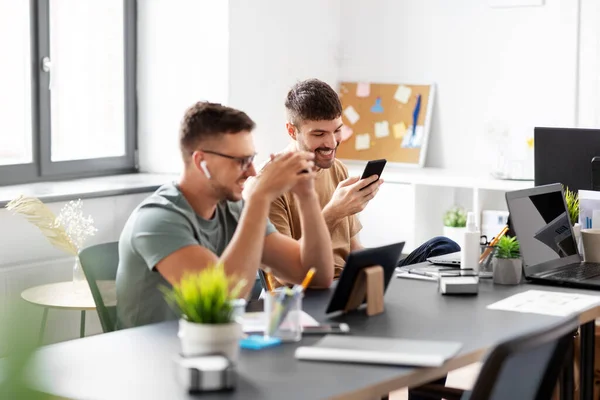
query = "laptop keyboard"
x=580 y=272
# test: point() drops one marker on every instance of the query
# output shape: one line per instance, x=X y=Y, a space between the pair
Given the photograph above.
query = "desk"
x=63 y=296
x=137 y=363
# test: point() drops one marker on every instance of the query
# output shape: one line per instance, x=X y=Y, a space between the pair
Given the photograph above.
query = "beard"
x=322 y=159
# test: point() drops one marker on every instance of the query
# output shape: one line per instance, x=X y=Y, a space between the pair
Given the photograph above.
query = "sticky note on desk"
x=382 y=129
x=403 y=94
x=363 y=142
x=351 y=114
x=363 y=89
x=399 y=130
x=256 y=342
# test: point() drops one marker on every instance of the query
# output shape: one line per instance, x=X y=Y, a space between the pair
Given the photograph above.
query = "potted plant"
x=206 y=303
x=572 y=200
x=507 y=264
x=455 y=224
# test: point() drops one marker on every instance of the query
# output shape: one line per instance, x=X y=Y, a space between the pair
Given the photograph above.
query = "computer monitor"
x=564 y=155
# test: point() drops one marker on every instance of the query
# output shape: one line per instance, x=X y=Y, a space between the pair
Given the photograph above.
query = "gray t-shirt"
x=162 y=224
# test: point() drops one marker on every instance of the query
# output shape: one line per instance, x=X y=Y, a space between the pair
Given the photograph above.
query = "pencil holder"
x=283 y=313
x=485 y=266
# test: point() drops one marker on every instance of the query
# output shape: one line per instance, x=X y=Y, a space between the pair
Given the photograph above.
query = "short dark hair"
x=206 y=120
x=312 y=100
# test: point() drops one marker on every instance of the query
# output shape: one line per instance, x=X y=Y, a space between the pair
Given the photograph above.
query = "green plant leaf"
x=456 y=217
x=205 y=297
x=508 y=247
x=572 y=200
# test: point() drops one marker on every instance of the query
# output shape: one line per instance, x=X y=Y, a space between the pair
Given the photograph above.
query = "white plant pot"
x=199 y=339
x=507 y=271
x=456 y=234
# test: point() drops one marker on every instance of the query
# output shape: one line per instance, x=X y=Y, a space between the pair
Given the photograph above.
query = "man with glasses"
x=201 y=219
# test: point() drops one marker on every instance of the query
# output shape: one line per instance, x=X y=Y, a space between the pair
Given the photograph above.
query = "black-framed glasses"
x=245 y=162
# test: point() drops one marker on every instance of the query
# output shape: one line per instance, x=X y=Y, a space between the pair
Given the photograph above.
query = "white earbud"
x=205 y=168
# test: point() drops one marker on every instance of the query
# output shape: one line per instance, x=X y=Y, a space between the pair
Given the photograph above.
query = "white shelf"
x=442 y=177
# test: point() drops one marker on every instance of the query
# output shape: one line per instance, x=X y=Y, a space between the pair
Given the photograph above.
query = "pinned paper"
x=377 y=107
x=403 y=94
x=382 y=129
x=413 y=140
x=346 y=133
x=363 y=89
x=363 y=142
x=351 y=114
x=399 y=130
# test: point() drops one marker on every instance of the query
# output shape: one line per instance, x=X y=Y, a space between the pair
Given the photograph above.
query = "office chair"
x=100 y=262
x=524 y=368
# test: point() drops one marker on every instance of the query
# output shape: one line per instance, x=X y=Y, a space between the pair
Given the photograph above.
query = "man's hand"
x=348 y=198
x=284 y=172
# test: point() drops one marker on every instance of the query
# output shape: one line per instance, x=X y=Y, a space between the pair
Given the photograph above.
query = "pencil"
x=308 y=278
x=494 y=241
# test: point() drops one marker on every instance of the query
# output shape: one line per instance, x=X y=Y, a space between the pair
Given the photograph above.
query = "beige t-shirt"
x=284 y=214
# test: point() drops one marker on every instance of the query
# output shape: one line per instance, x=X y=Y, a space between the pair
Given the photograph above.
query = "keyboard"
x=579 y=272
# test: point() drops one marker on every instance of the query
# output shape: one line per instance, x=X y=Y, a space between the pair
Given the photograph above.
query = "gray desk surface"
x=136 y=363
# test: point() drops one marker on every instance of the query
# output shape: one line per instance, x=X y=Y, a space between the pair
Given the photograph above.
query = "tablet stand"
x=369 y=284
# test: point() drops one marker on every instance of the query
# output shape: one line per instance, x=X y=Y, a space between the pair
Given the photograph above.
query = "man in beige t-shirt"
x=314 y=114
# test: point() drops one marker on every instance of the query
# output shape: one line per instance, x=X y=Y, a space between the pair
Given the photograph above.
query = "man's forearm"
x=242 y=256
x=315 y=244
x=331 y=217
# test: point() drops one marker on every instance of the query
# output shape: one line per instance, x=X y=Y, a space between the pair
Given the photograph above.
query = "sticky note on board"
x=382 y=129
x=351 y=114
x=363 y=89
x=346 y=133
x=363 y=142
x=403 y=94
x=399 y=130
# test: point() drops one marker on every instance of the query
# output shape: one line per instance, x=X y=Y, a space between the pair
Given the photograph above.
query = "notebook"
x=375 y=350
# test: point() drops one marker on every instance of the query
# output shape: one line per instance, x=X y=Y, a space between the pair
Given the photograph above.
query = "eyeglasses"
x=245 y=162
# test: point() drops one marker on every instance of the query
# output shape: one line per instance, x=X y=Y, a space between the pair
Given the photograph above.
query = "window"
x=69 y=110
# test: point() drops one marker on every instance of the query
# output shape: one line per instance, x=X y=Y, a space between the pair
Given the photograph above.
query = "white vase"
x=199 y=339
x=455 y=234
x=79 y=282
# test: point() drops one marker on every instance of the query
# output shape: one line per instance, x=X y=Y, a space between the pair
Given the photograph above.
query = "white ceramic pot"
x=199 y=339
x=507 y=271
x=456 y=234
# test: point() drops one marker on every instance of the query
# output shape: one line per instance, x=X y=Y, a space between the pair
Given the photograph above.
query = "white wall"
x=589 y=64
x=513 y=65
x=274 y=44
x=241 y=53
x=182 y=58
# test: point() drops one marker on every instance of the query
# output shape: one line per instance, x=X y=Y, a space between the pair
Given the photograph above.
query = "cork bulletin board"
x=379 y=118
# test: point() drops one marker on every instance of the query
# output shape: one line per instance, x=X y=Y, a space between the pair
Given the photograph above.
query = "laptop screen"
x=541 y=223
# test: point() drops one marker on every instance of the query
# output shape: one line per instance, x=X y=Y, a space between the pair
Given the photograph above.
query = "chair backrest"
x=100 y=263
x=527 y=367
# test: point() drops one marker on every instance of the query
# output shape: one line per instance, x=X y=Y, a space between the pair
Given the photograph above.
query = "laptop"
x=450 y=260
x=541 y=223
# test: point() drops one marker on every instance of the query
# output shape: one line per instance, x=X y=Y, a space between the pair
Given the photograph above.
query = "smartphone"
x=596 y=173
x=374 y=167
x=325 y=329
